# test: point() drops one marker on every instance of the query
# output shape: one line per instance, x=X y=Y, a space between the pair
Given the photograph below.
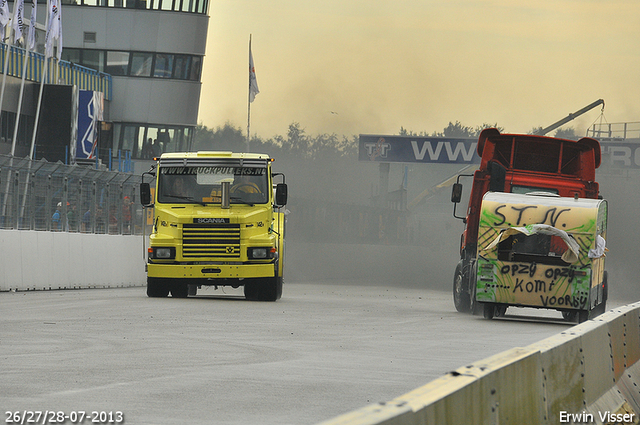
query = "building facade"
x=154 y=52
x=151 y=53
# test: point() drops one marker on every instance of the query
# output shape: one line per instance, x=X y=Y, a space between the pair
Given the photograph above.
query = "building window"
x=141 y=64
x=137 y=64
x=148 y=141
x=164 y=66
x=93 y=59
x=181 y=68
x=117 y=63
x=196 y=68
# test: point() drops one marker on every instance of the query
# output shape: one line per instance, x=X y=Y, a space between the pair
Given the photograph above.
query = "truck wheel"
x=569 y=316
x=179 y=290
x=501 y=310
x=489 y=311
x=157 y=288
x=461 y=299
x=268 y=289
x=583 y=316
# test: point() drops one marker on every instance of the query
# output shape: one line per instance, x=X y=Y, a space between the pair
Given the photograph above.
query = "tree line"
x=297 y=143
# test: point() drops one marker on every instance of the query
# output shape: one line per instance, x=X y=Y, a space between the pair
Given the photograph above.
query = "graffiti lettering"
x=560 y=272
x=520 y=211
x=514 y=269
x=534 y=286
x=549 y=216
x=555 y=215
x=567 y=300
x=498 y=213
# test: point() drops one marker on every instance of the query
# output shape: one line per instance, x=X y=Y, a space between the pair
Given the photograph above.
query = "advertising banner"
x=376 y=148
x=90 y=113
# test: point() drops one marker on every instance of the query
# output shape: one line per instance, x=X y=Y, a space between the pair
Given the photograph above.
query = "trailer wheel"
x=157 y=288
x=461 y=299
x=501 y=310
x=489 y=310
x=569 y=316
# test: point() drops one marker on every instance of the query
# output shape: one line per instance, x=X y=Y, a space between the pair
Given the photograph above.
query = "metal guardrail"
x=617 y=131
x=45 y=196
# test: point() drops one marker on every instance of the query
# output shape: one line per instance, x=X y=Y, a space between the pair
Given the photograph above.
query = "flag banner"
x=32 y=25
x=59 y=51
x=253 y=82
x=5 y=16
x=18 y=20
x=53 y=28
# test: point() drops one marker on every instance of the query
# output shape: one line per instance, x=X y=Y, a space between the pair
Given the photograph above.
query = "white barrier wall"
x=33 y=260
x=589 y=374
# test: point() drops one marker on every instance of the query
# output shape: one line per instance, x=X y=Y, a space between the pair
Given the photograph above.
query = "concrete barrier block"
x=616 y=329
x=629 y=387
x=562 y=369
x=505 y=388
x=632 y=334
x=598 y=360
x=11 y=262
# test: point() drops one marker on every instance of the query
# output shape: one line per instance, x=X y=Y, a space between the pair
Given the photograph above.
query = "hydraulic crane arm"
x=570 y=117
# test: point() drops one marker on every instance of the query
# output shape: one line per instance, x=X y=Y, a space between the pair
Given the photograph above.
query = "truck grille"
x=210 y=240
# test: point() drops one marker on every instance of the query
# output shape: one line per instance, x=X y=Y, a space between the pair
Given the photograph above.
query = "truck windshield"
x=203 y=185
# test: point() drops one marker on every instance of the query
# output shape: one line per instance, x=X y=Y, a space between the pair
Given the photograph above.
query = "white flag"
x=53 y=28
x=32 y=25
x=253 y=82
x=18 y=18
x=59 y=51
x=5 y=16
x=4 y=13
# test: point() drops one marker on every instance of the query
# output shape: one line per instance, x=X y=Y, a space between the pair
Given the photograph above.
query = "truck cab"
x=218 y=221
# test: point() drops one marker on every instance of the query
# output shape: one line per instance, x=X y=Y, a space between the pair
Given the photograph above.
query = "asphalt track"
x=322 y=350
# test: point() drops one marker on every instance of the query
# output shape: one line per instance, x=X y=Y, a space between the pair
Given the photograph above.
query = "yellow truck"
x=218 y=220
x=544 y=251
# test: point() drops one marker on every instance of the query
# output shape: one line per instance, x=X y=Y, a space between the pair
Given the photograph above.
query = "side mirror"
x=281 y=194
x=145 y=194
x=456 y=193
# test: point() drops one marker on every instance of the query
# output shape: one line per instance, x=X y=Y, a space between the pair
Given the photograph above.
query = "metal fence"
x=40 y=195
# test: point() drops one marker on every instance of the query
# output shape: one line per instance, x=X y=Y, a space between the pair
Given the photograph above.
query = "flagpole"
x=249 y=97
x=44 y=77
x=24 y=75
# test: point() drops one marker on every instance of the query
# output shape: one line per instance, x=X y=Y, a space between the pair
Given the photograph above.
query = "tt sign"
x=417 y=149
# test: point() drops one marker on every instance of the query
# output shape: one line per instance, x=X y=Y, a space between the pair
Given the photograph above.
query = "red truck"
x=522 y=164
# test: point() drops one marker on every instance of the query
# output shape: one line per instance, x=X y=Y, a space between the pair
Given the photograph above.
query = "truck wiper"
x=241 y=200
x=188 y=198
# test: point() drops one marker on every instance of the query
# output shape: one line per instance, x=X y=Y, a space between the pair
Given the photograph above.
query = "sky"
x=354 y=67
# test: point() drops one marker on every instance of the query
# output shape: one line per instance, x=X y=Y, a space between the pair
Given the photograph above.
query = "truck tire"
x=569 y=316
x=267 y=289
x=461 y=298
x=583 y=316
x=488 y=311
x=157 y=288
x=179 y=290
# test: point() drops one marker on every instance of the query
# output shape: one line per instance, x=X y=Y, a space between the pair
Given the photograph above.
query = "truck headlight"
x=162 y=253
x=261 y=253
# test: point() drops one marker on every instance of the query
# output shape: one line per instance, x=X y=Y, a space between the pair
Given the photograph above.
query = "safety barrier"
x=588 y=374
x=33 y=260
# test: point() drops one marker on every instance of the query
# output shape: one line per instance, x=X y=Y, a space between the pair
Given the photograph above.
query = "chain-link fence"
x=40 y=195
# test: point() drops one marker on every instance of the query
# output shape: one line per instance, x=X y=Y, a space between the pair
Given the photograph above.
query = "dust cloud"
x=333 y=228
